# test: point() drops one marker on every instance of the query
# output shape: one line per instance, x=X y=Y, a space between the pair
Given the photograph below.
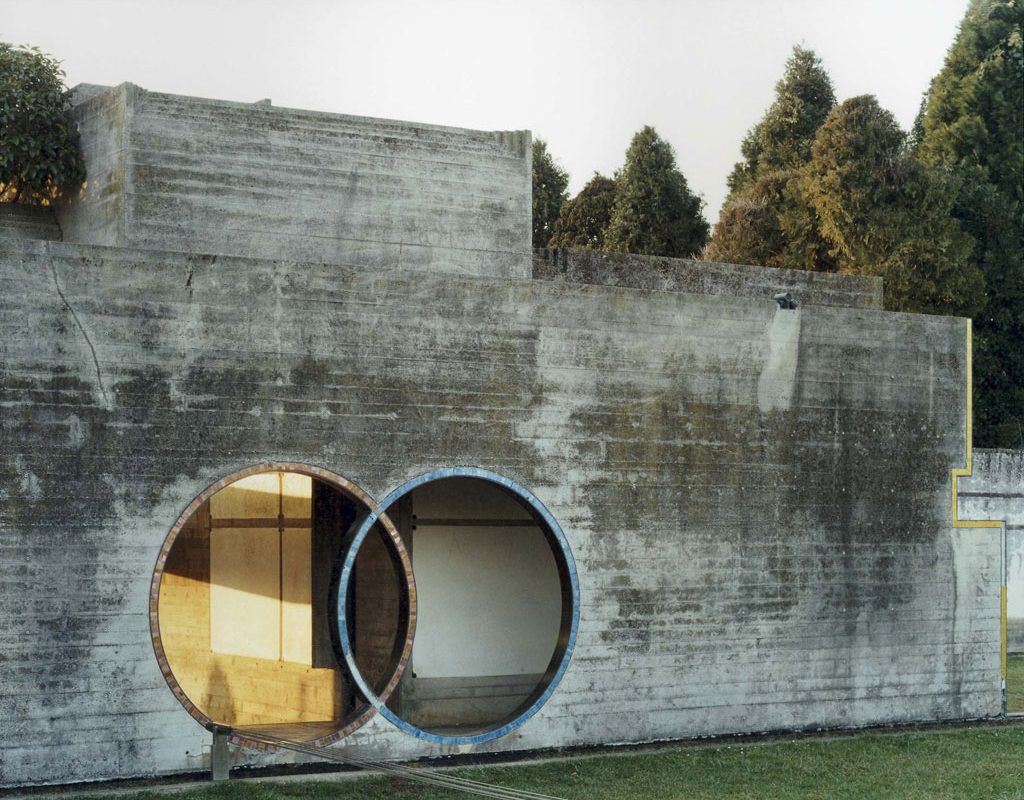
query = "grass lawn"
x=1015 y=683
x=967 y=763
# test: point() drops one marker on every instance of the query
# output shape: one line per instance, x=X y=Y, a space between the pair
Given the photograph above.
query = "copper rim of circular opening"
x=367 y=711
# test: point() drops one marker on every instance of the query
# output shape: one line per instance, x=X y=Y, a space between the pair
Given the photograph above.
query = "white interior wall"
x=489 y=601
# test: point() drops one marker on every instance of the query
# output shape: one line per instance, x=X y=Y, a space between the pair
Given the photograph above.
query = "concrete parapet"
x=655 y=273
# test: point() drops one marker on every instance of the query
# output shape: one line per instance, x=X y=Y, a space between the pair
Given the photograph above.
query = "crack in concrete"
x=81 y=327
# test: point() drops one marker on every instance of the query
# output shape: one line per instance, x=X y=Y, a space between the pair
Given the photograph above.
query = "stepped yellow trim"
x=962 y=472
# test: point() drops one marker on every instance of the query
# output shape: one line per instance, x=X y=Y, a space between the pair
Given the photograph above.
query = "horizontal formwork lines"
x=542 y=353
x=353 y=234
x=726 y=689
x=673 y=350
x=334 y=280
x=940 y=644
x=157 y=106
x=354 y=174
x=742 y=384
x=845 y=654
x=686 y=643
x=224 y=129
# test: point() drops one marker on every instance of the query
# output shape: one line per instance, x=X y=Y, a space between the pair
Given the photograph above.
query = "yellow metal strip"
x=963 y=472
x=1002 y=601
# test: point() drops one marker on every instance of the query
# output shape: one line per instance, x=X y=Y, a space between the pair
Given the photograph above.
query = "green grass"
x=980 y=762
x=1015 y=683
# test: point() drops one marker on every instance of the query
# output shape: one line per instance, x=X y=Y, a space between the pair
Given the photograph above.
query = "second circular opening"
x=495 y=606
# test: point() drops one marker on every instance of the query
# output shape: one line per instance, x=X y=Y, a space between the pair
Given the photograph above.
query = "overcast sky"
x=584 y=75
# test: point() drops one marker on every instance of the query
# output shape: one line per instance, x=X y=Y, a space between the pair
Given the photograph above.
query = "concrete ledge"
x=704 y=277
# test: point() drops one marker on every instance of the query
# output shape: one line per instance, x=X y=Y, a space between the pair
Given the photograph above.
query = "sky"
x=584 y=75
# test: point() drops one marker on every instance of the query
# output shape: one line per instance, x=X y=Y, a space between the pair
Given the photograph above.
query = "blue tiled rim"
x=567 y=569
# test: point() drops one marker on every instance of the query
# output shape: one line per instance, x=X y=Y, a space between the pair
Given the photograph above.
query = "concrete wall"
x=206 y=176
x=995 y=491
x=28 y=222
x=758 y=500
x=705 y=277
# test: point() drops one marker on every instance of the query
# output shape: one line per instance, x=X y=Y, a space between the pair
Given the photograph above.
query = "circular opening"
x=243 y=597
x=497 y=606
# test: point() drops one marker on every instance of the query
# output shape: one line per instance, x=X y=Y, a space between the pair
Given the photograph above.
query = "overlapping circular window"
x=284 y=603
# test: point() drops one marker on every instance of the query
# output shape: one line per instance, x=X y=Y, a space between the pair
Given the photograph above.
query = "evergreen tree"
x=782 y=139
x=765 y=219
x=655 y=213
x=884 y=213
x=972 y=126
x=583 y=220
x=549 y=193
x=770 y=223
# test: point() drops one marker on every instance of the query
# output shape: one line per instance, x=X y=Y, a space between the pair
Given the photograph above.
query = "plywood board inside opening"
x=245 y=592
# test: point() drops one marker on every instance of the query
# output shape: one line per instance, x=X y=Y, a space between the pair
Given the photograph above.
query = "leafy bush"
x=39 y=155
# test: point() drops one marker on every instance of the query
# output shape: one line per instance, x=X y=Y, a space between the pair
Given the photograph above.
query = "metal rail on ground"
x=417 y=774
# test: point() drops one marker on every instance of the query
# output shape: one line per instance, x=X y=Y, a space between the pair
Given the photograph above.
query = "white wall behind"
x=489 y=600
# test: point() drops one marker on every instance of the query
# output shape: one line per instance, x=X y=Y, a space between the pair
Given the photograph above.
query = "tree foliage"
x=884 y=213
x=837 y=188
x=655 y=213
x=770 y=222
x=549 y=193
x=972 y=127
x=782 y=139
x=584 y=218
x=39 y=154
x=766 y=219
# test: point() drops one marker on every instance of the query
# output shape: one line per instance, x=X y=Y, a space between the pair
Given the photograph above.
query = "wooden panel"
x=296 y=607
x=254 y=496
x=260 y=576
x=245 y=592
x=234 y=689
x=297 y=495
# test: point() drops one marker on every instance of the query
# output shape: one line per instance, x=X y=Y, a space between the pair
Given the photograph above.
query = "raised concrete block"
x=995 y=491
x=251 y=179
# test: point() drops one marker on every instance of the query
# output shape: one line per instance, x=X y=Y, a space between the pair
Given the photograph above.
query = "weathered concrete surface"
x=995 y=491
x=705 y=277
x=758 y=500
x=210 y=176
x=28 y=222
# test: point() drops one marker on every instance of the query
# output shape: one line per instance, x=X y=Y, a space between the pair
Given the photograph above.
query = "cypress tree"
x=782 y=139
x=972 y=126
x=549 y=192
x=655 y=213
x=884 y=213
x=584 y=218
x=765 y=219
